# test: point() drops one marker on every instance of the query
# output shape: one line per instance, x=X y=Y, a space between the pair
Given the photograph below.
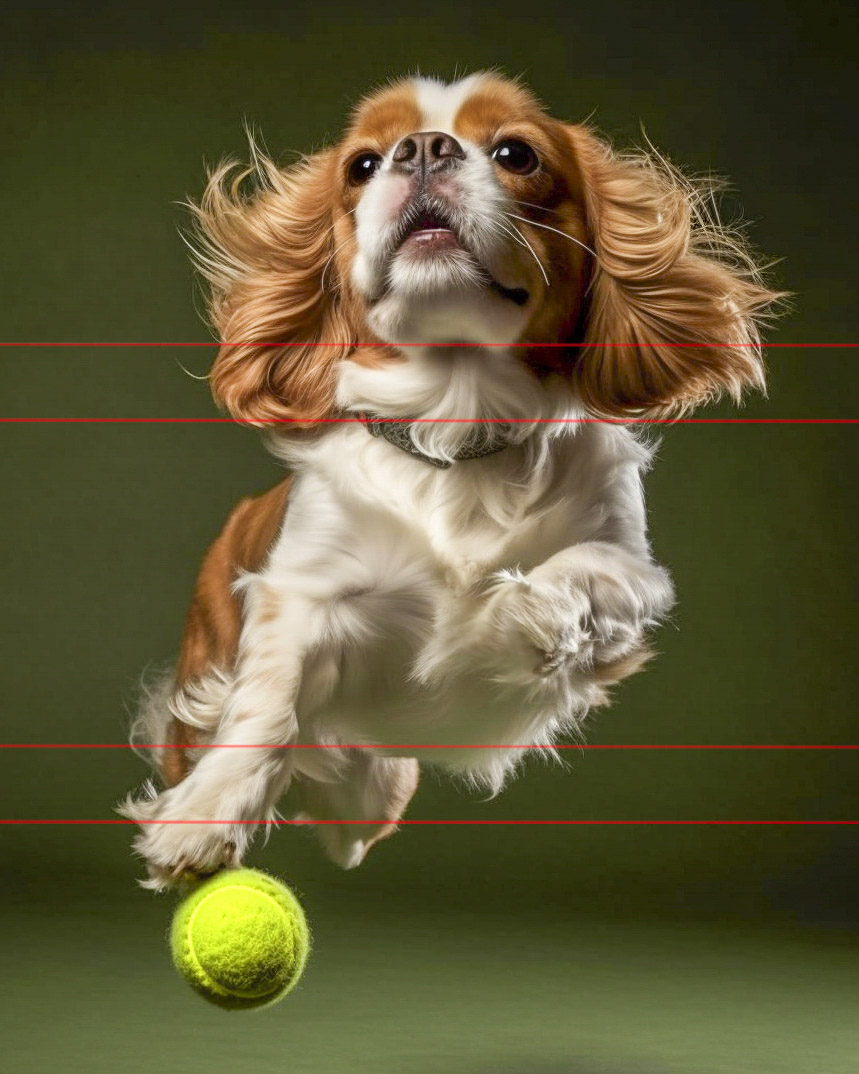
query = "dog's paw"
x=174 y=853
x=548 y=627
x=176 y=847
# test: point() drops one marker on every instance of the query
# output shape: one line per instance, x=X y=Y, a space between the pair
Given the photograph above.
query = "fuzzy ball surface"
x=240 y=939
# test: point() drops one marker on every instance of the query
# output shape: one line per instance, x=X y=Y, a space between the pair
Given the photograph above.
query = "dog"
x=449 y=324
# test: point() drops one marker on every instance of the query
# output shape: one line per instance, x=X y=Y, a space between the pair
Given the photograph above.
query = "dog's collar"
x=485 y=439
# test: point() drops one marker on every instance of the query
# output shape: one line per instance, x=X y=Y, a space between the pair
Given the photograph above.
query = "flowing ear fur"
x=265 y=256
x=676 y=299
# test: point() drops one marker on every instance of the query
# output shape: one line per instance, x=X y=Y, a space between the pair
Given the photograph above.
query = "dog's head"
x=464 y=214
x=468 y=206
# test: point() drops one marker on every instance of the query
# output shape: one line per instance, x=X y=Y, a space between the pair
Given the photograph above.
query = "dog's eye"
x=363 y=167
x=515 y=156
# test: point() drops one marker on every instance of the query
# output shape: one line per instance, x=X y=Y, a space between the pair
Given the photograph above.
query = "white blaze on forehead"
x=439 y=102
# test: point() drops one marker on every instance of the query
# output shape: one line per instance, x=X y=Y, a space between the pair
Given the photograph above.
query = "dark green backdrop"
x=553 y=950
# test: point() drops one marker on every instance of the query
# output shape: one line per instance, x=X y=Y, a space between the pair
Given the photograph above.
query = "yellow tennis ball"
x=240 y=939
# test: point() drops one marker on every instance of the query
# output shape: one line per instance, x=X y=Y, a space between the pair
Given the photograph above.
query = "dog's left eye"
x=516 y=156
x=363 y=167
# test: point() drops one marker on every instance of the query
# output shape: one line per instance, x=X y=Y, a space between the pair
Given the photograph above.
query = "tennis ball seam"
x=189 y=933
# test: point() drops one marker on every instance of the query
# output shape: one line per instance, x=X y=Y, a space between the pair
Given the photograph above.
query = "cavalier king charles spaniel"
x=447 y=322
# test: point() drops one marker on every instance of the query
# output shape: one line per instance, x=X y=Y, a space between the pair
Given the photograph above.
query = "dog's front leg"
x=209 y=819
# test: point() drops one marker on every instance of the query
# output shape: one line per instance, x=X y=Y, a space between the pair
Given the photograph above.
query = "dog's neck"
x=445 y=404
x=488 y=438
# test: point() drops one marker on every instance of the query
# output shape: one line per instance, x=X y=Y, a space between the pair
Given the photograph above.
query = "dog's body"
x=475 y=585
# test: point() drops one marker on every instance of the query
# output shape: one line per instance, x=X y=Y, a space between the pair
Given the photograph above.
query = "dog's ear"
x=675 y=300
x=275 y=300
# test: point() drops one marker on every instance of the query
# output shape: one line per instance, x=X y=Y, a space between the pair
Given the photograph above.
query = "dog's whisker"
x=557 y=231
x=497 y=228
x=534 y=205
x=519 y=238
x=531 y=248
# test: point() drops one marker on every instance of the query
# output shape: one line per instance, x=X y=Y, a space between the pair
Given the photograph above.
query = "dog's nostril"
x=443 y=146
x=406 y=150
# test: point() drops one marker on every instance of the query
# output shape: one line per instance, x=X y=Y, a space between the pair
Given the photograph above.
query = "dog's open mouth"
x=428 y=229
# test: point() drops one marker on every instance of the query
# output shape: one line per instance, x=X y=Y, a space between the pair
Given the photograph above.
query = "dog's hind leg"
x=361 y=807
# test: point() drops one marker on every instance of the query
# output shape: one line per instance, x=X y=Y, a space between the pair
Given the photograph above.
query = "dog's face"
x=465 y=207
x=464 y=213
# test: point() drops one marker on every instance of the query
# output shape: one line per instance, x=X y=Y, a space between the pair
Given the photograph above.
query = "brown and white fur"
x=373 y=598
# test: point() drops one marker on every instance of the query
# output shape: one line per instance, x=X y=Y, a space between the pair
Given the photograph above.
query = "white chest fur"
x=386 y=561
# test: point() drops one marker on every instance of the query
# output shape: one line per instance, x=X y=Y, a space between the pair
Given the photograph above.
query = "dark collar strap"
x=486 y=439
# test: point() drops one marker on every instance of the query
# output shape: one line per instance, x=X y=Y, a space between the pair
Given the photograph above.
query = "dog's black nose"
x=427 y=151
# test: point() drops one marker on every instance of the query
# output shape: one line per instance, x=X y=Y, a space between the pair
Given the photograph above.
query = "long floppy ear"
x=675 y=300
x=268 y=257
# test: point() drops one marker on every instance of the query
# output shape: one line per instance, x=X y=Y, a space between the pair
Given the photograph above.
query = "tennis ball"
x=240 y=939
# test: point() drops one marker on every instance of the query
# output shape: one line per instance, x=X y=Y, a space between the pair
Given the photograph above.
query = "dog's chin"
x=470 y=316
x=437 y=292
x=432 y=264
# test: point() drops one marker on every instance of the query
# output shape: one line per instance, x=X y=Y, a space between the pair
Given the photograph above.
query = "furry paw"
x=175 y=847
x=549 y=626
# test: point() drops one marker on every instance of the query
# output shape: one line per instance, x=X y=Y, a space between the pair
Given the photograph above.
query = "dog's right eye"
x=363 y=167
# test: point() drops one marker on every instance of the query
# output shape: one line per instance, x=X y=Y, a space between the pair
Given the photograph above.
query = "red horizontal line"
x=485 y=823
x=411 y=746
x=420 y=421
x=322 y=343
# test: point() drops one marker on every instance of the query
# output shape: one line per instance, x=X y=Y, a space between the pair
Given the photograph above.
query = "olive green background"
x=500 y=950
